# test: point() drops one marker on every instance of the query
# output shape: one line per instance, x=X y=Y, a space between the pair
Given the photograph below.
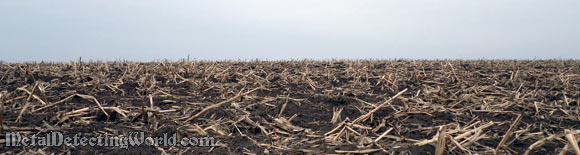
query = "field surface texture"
x=301 y=107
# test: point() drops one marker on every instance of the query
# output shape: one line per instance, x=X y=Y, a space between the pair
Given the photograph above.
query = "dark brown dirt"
x=453 y=93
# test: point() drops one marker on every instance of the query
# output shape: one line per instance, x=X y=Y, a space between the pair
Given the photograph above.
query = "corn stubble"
x=302 y=107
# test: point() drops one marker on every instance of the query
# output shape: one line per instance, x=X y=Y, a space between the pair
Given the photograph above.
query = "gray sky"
x=145 y=30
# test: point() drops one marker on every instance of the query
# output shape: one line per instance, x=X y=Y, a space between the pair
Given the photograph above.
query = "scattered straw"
x=508 y=134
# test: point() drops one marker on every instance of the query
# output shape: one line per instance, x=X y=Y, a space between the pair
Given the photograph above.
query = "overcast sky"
x=146 y=30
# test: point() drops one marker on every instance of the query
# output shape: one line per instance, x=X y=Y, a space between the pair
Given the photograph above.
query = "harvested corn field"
x=301 y=107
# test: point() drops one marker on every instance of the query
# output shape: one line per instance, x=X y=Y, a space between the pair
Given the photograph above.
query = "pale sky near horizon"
x=146 y=30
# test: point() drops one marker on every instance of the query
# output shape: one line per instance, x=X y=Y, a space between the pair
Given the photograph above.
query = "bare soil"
x=300 y=107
